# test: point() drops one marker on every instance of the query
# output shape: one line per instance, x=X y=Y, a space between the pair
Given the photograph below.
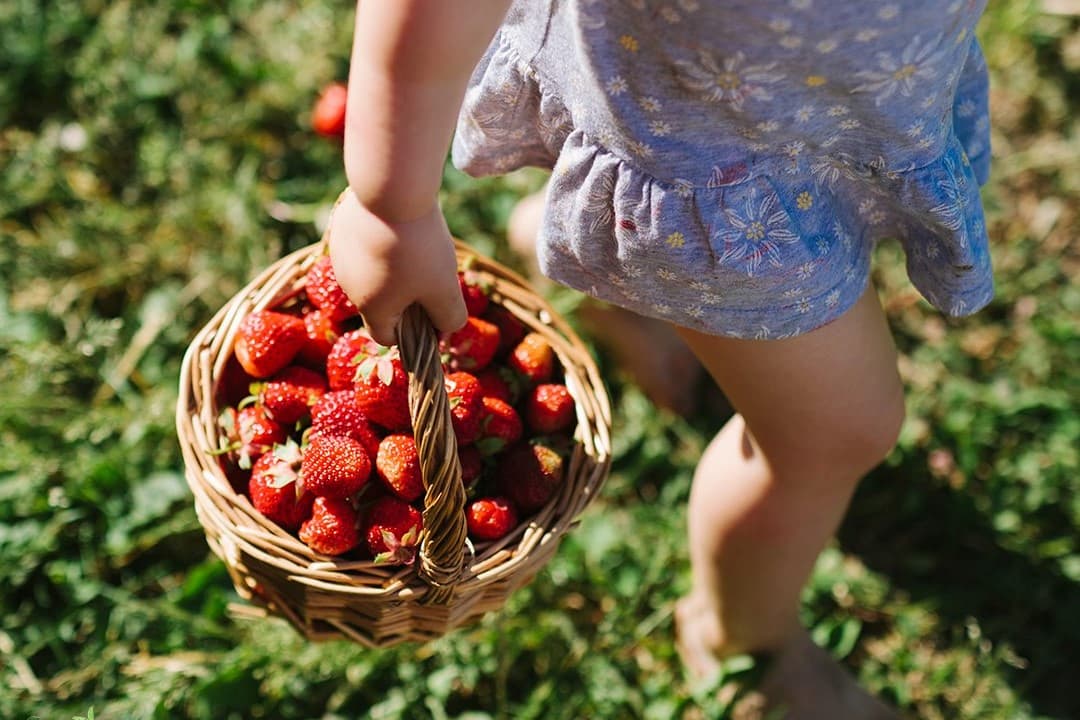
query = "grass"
x=156 y=155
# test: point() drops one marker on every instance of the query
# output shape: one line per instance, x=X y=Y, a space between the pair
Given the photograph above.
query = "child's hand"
x=386 y=266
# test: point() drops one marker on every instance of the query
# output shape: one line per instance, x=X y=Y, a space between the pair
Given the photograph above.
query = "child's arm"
x=411 y=61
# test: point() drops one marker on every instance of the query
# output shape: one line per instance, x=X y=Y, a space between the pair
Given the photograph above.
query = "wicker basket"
x=453 y=582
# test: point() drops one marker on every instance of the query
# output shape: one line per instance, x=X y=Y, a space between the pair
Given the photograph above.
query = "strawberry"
x=499 y=382
x=328 y=115
x=529 y=474
x=382 y=391
x=490 y=518
x=334 y=466
x=473 y=346
x=249 y=433
x=324 y=292
x=511 y=330
x=272 y=488
x=466 y=405
x=549 y=408
x=533 y=358
x=345 y=357
x=501 y=426
x=332 y=527
x=475 y=291
x=472 y=466
x=267 y=341
x=393 y=530
x=289 y=395
x=322 y=332
x=337 y=413
x=398 y=466
x=235 y=383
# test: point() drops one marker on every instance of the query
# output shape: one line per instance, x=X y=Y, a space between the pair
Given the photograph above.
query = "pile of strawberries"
x=316 y=427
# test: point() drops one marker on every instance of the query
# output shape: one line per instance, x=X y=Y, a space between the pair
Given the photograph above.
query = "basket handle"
x=443 y=541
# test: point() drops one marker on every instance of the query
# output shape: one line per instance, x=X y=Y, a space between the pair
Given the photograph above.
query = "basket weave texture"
x=452 y=582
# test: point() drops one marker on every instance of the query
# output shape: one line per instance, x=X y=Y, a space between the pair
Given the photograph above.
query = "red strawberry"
x=501 y=426
x=498 y=382
x=549 y=408
x=272 y=488
x=466 y=405
x=533 y=358
x=322 y=332
x=393 y=530
x=475 y=292
x=267 y=341
x=235 y=384
x=398 y=465
x=529 y=474
x=382 y=392
x=289 y=395
x=490 y=518
x=472 y=466
x=337 y=413
x=249 y=433
x=332 y=527
x=473 y=346
x=328 y=115
x=511 y=330
x=324 y=292
x=334 y=466
x=345 y=358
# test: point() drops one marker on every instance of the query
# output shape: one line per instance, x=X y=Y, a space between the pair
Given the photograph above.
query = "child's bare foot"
x=801 y=682
x=648 y=350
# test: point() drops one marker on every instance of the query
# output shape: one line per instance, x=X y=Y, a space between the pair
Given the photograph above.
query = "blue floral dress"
x=729 y=165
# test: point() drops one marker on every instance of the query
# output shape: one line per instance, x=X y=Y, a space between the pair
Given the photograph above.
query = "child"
x=726 y=166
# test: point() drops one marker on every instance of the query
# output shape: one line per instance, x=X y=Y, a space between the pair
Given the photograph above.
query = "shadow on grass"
x=933 y=542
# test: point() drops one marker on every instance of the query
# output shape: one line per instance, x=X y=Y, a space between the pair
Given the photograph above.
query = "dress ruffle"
x=770 y=247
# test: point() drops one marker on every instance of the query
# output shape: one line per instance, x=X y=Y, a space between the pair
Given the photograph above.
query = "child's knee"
x=841 y=442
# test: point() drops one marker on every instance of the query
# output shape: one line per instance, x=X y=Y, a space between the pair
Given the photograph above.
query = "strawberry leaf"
x=386 y=371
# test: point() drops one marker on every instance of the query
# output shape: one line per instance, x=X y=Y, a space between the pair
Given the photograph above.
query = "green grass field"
x=155 y=155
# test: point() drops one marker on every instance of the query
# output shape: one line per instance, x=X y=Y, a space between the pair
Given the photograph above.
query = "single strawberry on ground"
x=332 y=528
x=328 y=114
x=267 y=341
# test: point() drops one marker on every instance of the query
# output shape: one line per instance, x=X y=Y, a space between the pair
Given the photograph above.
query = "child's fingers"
x=446 y=307
x=382 y=326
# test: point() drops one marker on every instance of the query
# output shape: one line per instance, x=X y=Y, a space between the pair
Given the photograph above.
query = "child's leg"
x=816 y=412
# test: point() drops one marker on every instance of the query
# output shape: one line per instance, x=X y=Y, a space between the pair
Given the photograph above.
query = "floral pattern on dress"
x=730 y=166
